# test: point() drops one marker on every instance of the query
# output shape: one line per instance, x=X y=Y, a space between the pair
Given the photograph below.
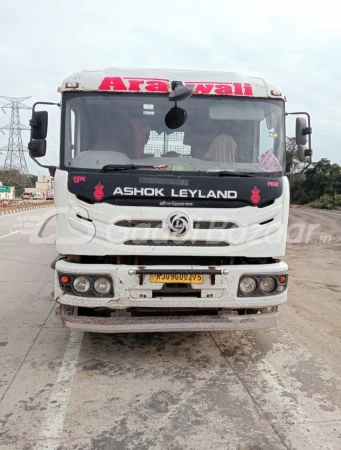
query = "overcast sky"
x=293 y=44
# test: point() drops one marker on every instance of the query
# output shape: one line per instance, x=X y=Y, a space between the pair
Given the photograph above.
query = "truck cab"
x=172 y=201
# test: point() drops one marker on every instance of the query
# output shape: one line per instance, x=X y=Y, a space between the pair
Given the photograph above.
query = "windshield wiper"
x=228 y=173
x=115 y=167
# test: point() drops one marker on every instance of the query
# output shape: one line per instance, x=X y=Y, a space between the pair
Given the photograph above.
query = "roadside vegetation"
x=17 y=179
x=319 y=186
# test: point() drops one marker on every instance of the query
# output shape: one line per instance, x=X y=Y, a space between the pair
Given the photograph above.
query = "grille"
x=158 y=224
x=168 y=243
x=139 y=223
x=214 y=225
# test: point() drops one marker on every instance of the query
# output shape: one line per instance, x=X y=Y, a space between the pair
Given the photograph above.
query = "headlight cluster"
x=260 y=285
x=87 y=285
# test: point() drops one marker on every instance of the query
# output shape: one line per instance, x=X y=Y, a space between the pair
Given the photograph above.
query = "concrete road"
x=276 y=389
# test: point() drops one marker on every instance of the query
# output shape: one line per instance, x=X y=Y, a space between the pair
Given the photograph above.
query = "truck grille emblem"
x=177 y=224
x=98 y=192
x=255 y=197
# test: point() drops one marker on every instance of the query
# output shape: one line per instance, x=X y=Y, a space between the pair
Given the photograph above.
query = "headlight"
x=267 y=284
x=247 y=285
x=81 y=285
x=102 y=285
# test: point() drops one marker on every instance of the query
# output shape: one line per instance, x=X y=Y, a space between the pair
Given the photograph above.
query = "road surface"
x=261 y=390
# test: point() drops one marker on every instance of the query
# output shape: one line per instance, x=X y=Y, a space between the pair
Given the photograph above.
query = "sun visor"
x=236 y=110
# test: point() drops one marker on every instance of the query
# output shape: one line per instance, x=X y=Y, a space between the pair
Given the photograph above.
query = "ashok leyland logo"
x=177 y=224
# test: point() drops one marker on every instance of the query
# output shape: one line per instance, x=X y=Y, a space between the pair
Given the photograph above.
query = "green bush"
x=326 y=202
x=338 y=200
x=316 y=204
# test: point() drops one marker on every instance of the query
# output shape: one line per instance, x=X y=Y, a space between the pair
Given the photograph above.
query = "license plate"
x=177 y=278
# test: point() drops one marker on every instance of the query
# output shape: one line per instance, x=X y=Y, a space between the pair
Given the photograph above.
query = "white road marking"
x=52 y=426
x=10 y=234
x=18 y=231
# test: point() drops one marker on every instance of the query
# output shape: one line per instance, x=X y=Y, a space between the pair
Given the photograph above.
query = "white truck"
x=169 y=217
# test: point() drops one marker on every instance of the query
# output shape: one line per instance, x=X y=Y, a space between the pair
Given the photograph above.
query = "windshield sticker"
x=269 y=163
x=148 y=106
x=149 y=113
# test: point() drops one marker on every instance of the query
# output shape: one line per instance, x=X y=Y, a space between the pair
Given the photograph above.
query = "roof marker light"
x=72 y=85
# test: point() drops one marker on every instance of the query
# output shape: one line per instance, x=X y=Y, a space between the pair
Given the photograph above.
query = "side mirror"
x=38 y=124
x=301 y=131
x=37 y=148
x=303 y=134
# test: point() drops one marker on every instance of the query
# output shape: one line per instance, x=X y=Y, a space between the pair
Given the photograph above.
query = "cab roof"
x=158 y=81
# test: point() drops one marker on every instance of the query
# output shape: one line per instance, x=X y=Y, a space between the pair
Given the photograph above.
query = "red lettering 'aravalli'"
x=162 y=86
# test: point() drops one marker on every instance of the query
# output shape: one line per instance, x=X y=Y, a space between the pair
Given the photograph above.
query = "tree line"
x=318 y=186
x=17 y=179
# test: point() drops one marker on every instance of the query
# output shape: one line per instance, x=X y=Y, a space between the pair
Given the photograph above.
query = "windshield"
x=220 y=133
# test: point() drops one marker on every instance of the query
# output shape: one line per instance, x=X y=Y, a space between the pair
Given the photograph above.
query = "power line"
x=15 y=158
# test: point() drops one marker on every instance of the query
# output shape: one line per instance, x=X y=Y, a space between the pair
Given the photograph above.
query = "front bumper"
x=129 y=292
x=69 y=318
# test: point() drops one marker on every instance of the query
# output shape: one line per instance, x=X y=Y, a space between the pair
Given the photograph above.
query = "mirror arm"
x=51 y=169
x=305 y=167
x=45 y=103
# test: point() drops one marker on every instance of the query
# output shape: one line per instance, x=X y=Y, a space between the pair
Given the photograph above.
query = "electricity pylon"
x=15 y=158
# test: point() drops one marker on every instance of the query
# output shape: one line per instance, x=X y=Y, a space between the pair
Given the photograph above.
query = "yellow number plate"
x=177 y=278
